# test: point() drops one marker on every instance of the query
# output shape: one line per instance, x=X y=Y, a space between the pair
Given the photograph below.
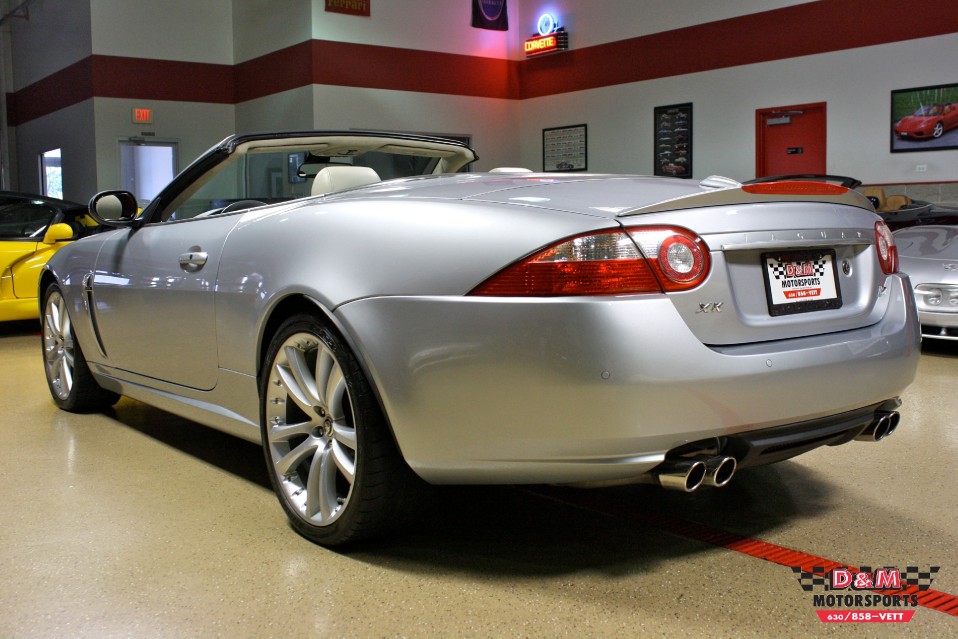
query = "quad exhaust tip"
x=688 y=474
x=884 y=425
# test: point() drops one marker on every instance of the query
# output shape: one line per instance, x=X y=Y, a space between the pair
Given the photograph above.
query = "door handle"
x=193 y=261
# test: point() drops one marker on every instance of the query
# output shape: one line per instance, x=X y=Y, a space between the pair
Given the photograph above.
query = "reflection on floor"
x=140 y=524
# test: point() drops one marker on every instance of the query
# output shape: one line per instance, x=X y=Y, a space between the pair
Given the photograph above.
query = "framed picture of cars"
x=673 y=140
x=924 y=118
x=565 y=148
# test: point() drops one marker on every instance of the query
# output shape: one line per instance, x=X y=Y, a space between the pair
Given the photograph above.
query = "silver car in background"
x=380 y=321
x=929 y=255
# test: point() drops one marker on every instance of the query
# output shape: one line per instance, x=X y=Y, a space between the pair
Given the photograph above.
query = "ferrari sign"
x=352 y=7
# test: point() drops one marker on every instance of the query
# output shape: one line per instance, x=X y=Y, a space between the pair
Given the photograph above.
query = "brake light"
x=796 y=187
x=885 y=246
x=607 y=263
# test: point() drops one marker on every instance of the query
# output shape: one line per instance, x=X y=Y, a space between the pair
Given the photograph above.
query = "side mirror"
x=114 y=208
x=57 y=232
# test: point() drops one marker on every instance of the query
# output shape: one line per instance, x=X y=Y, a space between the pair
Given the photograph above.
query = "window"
x=51 y=174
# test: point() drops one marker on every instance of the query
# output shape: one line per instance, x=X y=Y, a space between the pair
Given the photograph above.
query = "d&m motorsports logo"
x=865 y=595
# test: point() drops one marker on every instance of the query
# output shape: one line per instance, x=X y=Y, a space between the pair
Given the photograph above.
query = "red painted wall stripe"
x=805 y=29
x=594 y=500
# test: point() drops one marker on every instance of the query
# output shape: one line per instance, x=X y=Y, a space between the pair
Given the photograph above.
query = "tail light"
x=887 y=251
x=635 y=261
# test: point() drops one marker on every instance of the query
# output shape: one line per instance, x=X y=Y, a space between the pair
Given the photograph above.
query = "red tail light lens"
x=679 y=257
x=606 y=263
x=885 y=246
x=797 y=187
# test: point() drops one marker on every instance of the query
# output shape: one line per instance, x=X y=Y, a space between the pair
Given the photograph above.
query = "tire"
x=69 y=378
x=938 y=130
x=330 y=457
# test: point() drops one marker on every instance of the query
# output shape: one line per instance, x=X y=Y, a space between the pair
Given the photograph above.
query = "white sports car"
x=380 y=321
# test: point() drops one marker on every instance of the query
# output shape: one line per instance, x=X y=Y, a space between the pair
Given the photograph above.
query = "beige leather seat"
x=339 y=178
x=895 y=202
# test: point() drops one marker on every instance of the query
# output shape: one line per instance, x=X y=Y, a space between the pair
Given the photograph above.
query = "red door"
x=790 y=140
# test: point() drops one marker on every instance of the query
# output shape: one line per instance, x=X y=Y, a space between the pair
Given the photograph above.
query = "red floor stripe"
x=592 y=500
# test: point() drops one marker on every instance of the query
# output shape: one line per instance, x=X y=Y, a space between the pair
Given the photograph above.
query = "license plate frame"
x=801 y=281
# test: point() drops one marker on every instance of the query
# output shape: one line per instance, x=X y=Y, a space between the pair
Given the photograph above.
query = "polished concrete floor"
x=139 y=524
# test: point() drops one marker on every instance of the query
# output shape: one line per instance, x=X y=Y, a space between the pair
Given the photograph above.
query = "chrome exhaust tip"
x=681 y=474
x=719 y=470
x=883 y=426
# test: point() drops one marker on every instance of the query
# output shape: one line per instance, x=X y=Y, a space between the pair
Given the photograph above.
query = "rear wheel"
x=68 y=376
x=332 y=462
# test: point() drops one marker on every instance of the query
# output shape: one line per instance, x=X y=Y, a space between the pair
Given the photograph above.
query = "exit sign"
x=142 y=116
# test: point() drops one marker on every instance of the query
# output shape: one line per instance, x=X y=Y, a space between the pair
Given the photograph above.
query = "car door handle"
x=193 y=261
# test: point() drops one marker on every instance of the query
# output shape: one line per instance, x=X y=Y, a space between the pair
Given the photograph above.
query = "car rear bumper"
x=580 y=390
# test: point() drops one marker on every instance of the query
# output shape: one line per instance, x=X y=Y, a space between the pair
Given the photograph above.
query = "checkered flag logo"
x=780 y=270
x=811 y=580
x=817 y=577
x=915 y=576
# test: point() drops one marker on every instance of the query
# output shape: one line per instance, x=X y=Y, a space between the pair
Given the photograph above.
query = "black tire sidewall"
x=86 y=395
x=358 y=519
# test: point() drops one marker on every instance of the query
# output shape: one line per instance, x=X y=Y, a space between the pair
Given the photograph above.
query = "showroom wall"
x=854 y=83
x=207 y=68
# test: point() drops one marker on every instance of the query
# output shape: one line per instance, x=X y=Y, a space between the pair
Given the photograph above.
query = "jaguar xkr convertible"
x=380 y=320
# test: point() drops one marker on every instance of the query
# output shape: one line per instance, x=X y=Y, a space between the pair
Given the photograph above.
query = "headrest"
x=339 y=178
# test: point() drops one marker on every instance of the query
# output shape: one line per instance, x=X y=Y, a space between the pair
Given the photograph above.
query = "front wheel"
x=938 y=130
x=71 y=383
x=332 y=462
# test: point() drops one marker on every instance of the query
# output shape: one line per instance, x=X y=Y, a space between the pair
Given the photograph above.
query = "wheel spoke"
x=329 y=377
x=344 y=462
x=286 y=432
x=321 y=495
x=345 y=435
x=286 y=464
x=297 y=379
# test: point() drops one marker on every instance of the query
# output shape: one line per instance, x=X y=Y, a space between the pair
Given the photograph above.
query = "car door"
x=22 y=223
x=153 y=290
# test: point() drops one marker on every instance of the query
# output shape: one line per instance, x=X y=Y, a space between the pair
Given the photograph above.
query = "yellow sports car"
x=32 y=228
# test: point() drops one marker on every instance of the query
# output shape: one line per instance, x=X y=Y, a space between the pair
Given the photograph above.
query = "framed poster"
x=673 y=140
x=924 y=119
x=565 y=148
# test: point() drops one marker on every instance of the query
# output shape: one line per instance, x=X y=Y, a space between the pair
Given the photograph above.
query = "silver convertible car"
x=929 y=255
x=380 y=321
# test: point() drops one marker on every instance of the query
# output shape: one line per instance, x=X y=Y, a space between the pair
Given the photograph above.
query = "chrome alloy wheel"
x=59 y=355
x=310 y=433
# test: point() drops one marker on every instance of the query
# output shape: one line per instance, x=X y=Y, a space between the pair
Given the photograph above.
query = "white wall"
x=427 y=25
x=194 y=126
x=56 y=36
x=187 y=30
x=289 y=110
x=855 y=84
x=69 y=129
x=592 y=22
x=287 y=23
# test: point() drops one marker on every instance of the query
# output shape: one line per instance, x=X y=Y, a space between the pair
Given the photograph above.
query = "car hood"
x=929 y=242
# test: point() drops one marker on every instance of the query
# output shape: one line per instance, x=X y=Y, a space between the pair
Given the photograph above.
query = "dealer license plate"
x=801 y=281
